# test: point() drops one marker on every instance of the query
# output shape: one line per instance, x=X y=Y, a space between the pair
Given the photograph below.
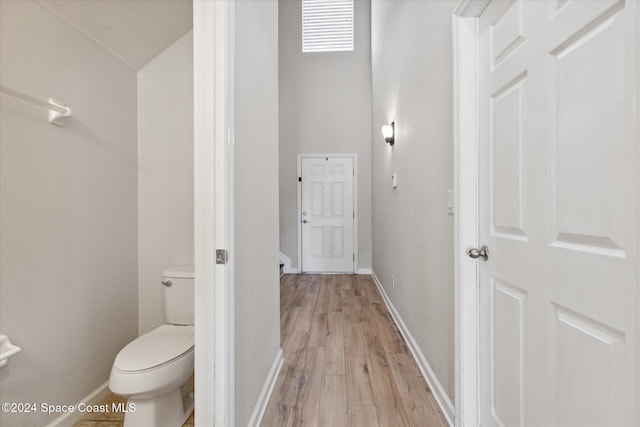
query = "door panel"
x=588 y=126
x=507 y=139
x=317 y=199
x=587 y=361
x=507 y=337
x=327 y=207
x=506 y=34
x=558 y=196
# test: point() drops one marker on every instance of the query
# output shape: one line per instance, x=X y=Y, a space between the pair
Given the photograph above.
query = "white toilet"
x=155 y=371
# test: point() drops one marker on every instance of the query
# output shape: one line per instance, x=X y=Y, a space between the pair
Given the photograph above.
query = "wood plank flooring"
x=345 y=362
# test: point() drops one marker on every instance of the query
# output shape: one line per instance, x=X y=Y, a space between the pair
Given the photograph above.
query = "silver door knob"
x=167 y=283
x=304 y=221
x=483 y=252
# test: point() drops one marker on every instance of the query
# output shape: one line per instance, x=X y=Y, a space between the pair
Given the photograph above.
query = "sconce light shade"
x=388 y=131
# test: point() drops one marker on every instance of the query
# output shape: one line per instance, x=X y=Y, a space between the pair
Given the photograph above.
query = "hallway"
x=345 y=362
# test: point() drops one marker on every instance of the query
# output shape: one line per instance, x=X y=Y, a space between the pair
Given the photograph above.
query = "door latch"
x=221 y=256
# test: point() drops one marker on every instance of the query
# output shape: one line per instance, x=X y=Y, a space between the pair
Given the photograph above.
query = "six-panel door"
x=327 y=214
x=558 y=192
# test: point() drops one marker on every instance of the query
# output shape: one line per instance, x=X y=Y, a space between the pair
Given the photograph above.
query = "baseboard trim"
x=366 y=271
x=267 y=390
x=436 y=387
x=287 y=264
x=96 y=397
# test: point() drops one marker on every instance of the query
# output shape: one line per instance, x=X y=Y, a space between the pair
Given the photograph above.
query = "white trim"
x=365 y=271
x=467 y=348
x=637 y=130
x=225 y=228
x=203 y=39
x=224 y=216
x=470 y=8
x=267 y=391
x=287 y=264
x=213 y=221
x=354 y=156
x=436 y=387
x=96 y=397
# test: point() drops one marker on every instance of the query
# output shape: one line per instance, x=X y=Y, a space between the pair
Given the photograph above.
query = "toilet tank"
x=178 y=295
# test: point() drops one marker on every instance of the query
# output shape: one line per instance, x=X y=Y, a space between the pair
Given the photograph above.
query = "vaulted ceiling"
x=135 y=31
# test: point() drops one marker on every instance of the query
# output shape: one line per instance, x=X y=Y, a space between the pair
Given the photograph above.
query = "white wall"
x=412 y=232
x=68 y=212
x=165 y=173
x=257 y=285
x=325 y=107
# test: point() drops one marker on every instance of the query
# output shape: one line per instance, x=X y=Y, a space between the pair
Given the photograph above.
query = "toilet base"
x=168 y=410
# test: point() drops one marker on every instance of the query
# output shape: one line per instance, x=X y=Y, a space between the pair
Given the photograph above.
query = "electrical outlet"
x=393 y=282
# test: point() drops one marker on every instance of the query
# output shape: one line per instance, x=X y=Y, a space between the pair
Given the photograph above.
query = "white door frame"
x=213 y=200
x=353 y=156
x=465 y=50
x=466 y=206
x=637 y=112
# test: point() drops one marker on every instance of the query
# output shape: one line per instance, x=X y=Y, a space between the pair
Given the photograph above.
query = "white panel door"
x=327 y=214
x=558 y=192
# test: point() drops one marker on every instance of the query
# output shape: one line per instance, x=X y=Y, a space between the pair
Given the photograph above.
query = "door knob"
x=304 y=221
x=483 y=252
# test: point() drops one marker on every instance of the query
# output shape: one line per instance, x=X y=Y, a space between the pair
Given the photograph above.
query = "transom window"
x=327 y=25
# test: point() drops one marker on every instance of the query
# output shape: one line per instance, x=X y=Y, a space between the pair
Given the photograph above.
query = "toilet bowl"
x=155 y=371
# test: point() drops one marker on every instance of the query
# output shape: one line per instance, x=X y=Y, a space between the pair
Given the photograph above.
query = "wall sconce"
x=388 y=131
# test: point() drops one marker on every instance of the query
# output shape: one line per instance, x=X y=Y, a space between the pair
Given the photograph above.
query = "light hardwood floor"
x=345 y=362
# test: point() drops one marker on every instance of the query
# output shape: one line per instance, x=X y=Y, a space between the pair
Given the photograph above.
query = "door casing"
x=353 y=156
x=213 y=29
x=465 y=153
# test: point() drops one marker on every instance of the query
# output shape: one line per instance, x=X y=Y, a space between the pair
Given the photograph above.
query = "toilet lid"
x=154 y=348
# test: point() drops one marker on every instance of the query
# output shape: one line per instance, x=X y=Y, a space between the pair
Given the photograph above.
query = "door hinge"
x=299 y=179
x=221 y=256
x=354 y=215
x=354 y=257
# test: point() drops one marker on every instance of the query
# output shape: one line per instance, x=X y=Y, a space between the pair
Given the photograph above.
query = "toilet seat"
x=161 y=346
x=154 y=363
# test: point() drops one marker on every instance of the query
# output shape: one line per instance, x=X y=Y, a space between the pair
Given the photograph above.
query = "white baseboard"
x=287 y=264
x=96 y=397
x=436 y=387
x=267 y=390
x=291 y=270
